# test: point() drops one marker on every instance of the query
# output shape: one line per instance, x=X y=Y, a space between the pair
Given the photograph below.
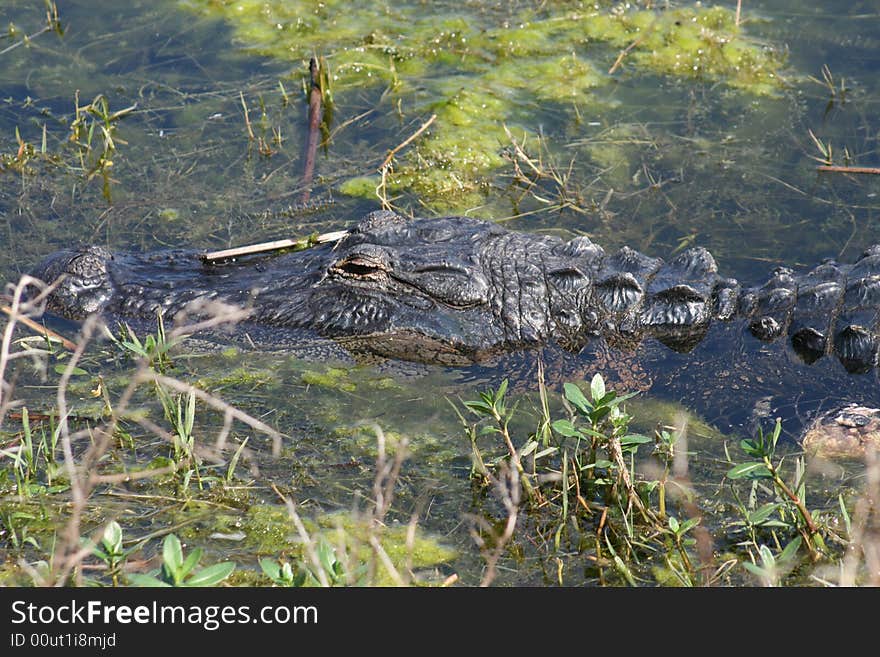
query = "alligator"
x=457 y=290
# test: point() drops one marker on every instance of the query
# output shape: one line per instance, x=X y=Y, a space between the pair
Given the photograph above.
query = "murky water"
x=209 y=154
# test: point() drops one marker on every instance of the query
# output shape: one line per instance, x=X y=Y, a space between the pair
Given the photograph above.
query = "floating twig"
x=406 y=142
x=316 y=116
x=277 y=245
x=39 y=328
x=831 y=168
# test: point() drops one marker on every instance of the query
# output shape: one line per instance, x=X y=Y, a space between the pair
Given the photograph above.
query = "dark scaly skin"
x=455 y=290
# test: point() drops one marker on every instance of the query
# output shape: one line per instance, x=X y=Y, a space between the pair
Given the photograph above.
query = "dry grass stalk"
x=508 y=489
x=82 y=469
x=406 y=142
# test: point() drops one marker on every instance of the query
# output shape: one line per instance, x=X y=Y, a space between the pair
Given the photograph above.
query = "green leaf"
x=597 y=387
x=753 y=447
x=190 y=413
x=623 y=398
x=479 y=407
x=845 y=514
x=790 y=550
x=763 y=512
x=767 y=556
x=60 y=368
x=190 y=562
x=673 y=524
x=566 y=428
x=635 y=439
x=753 y=470
x=326 y=555
x=576 y=397
x=139 y=579
x=531 y=446
x=112 y=538
x=756 y=569
x=546 y=452
x=212 y=575
x=172 y=553
x=596 y=434
x=271 y=568
x=689 y=524
x=598 y=413
x=776 y=523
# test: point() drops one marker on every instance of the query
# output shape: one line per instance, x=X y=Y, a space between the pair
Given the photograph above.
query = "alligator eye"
x=360 y=267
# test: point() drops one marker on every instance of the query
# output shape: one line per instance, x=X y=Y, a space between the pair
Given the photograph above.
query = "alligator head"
x=448 y=290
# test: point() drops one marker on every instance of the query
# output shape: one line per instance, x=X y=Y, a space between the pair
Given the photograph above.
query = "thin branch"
x=308 y=543
x=277 y=245
x=406 y=142
x=831 y=168
x=626 y=51
x=38 y=328
x=53 y=24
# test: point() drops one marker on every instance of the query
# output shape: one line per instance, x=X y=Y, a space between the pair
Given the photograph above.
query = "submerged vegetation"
x=482 y=70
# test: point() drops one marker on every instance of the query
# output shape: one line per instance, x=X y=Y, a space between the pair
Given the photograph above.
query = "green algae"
x=334 y=378
x=652 y=412
x=479 y=69
x=353 y=532
x=268 y=530
x=239 y=378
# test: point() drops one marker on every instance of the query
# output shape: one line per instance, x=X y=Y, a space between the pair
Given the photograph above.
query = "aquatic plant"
x=480 y=69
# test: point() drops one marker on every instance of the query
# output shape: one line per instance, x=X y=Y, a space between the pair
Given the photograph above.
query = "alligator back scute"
x=622 y=280
x=773 y=305
x=680 y=299
x=855 y=339
x=819 y=295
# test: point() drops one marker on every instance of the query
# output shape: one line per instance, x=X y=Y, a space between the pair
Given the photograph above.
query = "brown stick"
x=842 y=169
x=277 y=245
x=316 y=115
x=39 y=328
x=406 y=142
